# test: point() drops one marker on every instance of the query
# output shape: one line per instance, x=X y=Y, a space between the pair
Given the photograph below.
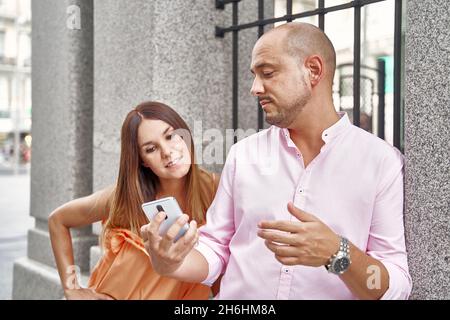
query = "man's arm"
x=175 y=259
x=193 y=269
x=386 y=241
x=366 y=277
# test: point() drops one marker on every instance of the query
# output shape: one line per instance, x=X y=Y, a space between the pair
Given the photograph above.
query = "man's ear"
x=314 y=65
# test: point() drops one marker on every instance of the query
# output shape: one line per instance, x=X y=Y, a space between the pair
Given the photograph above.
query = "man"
x=324 y=220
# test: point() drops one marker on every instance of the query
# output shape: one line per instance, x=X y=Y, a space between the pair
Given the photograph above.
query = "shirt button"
x=301 y=190
x=286 y=270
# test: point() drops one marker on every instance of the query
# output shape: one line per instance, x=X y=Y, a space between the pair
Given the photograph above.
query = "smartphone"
x=170 y=206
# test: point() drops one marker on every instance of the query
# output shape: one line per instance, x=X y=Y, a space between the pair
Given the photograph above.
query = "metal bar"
x=322 y=15
x=356 y=66
x=397 y=72
x=220 y=4
x=348 y=5
x=289 y=11
x=260 y=33
x=260 y=17
x=381 y=97
x=235 y=70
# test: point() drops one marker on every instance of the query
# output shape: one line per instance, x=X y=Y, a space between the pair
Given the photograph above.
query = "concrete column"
x=427 y=114
x=61 y=168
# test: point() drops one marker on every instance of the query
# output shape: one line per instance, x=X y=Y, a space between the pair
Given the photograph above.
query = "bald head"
x=301 y=40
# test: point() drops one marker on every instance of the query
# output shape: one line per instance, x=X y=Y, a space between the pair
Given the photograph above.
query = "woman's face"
x=162 y=150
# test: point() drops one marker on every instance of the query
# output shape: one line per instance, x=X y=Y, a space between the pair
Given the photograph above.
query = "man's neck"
x=306 y=131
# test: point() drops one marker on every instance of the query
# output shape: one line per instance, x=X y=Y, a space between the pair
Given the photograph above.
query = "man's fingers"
x=172 y=232
x=144 y=232
x=186 y=242
x=150 y=232
x=190 y=234
x=277 y=236
x=153 y=228
x=281 y=250
x=300 y=214
x=288 y=261
x=282 y=225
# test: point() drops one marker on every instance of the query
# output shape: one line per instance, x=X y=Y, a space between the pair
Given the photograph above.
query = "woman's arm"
x=74 y=214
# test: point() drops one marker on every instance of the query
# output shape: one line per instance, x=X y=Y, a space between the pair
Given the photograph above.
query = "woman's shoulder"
x=103 y=200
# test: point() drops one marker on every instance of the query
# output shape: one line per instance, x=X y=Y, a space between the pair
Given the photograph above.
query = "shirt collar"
x=336 y=129
x=328 y=134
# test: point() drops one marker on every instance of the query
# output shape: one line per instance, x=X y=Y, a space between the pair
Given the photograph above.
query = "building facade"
x=15 y=84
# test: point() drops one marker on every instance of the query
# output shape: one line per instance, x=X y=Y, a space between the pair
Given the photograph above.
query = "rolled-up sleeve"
x=387 y=239
x=216 y=234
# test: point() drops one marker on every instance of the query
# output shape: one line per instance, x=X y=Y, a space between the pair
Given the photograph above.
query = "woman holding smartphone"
x=156 y=161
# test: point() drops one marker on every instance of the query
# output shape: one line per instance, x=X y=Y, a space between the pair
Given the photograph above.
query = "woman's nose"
x=166 y=151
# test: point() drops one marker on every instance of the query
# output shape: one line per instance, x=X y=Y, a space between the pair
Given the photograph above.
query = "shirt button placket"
x=285 y=283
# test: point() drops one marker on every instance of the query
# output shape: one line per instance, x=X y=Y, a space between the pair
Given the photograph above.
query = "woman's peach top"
x=125 y=272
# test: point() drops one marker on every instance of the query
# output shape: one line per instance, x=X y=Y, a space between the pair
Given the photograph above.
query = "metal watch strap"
x=343 y=247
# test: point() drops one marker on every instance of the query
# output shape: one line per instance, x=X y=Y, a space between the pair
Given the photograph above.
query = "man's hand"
x=307 y=241
x=167 y=256
x=85 y=294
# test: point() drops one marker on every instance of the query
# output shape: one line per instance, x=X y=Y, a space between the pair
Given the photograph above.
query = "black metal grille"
x=321 y=11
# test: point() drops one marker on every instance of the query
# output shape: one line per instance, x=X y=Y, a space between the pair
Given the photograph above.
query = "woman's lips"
x=173 y=162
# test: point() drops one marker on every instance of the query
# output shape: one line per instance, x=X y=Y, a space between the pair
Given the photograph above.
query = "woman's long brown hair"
x=137 y=184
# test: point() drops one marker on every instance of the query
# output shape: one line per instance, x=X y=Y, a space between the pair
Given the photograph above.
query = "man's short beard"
x=287 y=115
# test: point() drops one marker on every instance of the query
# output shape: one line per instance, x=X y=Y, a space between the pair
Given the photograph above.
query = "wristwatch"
x=340 y=261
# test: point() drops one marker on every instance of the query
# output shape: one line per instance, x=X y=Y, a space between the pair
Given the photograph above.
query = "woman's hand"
x=85 y=294
x=167 y=256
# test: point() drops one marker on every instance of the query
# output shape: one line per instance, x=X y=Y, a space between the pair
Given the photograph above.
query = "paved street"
x=14 y=223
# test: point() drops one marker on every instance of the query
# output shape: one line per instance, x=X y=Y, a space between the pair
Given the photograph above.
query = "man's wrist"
x=340 y=261
x=168 y=270
x=335 y=246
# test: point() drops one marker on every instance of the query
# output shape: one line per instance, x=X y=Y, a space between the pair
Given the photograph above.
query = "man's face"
x=281 y=83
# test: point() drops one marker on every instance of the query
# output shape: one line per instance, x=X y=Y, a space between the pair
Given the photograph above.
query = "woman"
x=157 y=160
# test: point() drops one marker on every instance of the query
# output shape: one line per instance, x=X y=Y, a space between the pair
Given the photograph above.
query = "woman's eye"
x=268 y=74
x=150 y=150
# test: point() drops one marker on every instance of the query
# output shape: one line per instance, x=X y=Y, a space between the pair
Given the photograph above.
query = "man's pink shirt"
x=354 y=185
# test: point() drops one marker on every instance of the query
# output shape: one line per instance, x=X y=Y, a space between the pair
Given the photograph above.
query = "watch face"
x=342 y=264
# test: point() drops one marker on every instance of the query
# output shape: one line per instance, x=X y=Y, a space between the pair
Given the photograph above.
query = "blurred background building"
x=15 y=135
x=15 y=84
